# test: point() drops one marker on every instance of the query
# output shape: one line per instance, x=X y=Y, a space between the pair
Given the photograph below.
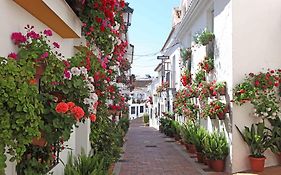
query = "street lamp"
x=127 y=14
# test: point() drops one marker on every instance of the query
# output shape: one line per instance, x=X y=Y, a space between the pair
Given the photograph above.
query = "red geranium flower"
x=70 y=105
x=93 y=117
x=78 y=112
x=62 y=107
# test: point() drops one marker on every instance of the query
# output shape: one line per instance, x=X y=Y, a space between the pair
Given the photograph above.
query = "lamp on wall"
x=127 y=14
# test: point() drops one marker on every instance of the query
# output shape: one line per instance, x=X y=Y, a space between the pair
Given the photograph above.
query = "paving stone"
x=147 y=152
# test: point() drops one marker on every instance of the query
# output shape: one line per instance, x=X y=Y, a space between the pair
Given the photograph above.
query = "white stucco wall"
x=200 y=19
x=256 y=46
x=14 y=19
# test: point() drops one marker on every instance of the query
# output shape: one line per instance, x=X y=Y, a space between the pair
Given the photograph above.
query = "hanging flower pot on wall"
x=39 y=141
x=40 y=69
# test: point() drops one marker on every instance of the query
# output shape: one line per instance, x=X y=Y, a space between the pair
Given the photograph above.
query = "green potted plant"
x=146 y=119
x=204 y=38
x=218 y=109
x=20 y=108
x=185 y=55
x=190 y=130
x=200 y=76
x=207 y=64
x=186 y=77
x=244 y=92
x=218 y=151
x=200 y=135
x=176 y=130
x=218 y=88
x=207 y=154
x=258 y=138
x=276 y=136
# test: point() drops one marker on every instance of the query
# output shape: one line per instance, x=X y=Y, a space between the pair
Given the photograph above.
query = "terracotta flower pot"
x=199 y=157
x=186 y=147
x=218 y=165
x=209 y=163
x=257 y=164
x=40 y=69
x=205 y=160
x=192 y=148
x=39 y=141
x=221 y=116
x=221 y=91
x=279 y=156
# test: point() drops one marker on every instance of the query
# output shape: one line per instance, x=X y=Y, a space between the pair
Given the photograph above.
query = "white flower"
x=255 y=110
x=4 y=61
x=83 y=70
x=268 y=109
x=109 y=101
x=274 y=114
x=94 y=96
x=91 y=87
x=75 y=71
x=91 y=79
x=87 y=101
x=105 y=81
x=265 y=114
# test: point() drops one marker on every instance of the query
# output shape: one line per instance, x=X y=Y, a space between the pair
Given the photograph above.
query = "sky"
x=150 y=26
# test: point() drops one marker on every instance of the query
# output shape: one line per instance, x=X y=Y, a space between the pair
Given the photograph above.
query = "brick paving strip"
x=148 y=152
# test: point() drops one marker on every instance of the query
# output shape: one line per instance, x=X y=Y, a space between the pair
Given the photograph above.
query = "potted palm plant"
x=200 y=135
x=218 y=151
x=189 y=132
x=258 y=138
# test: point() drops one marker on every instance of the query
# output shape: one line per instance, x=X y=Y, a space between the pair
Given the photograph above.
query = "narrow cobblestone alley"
x=148 y=152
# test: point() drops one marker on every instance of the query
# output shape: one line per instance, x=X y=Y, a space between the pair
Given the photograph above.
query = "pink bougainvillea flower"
x=44 y=55
x=56 y=44
x=33 y=35
x=48 y=32
x=13 y=55
x=62 y=107
x=18 y=38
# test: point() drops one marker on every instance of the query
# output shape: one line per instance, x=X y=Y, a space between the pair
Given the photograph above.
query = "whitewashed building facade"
x=246 y=40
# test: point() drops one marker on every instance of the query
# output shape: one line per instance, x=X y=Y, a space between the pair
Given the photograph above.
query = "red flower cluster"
x=13 y=55
x=18 y=38
x=265 y=80
x=76 y=111
x=185 y=79
x=93 y=117
x=115 y=107
x=62 y=107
